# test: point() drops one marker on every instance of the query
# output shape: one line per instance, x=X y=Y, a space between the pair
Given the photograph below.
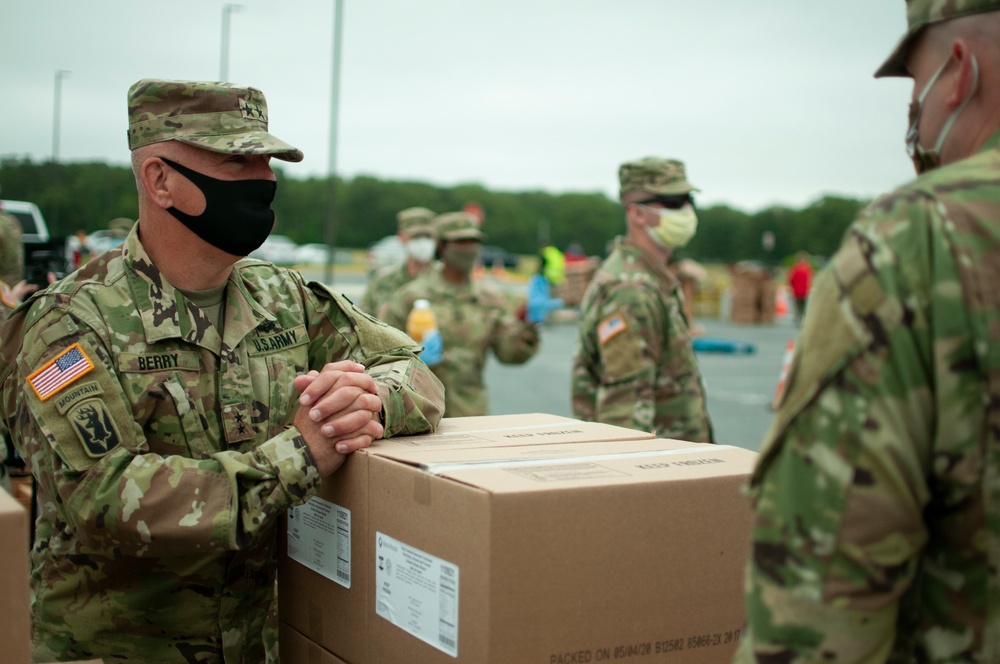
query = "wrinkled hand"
x=539 y=302
x=433 y=351
x=338 y=412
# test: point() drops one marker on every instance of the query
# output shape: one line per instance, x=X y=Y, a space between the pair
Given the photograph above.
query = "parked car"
x=311 y=253
x=42 y=253
x=278 y=249
x=386 y=251
x=492 y=256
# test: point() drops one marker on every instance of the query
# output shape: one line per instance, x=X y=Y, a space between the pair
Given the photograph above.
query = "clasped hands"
x=338 y=412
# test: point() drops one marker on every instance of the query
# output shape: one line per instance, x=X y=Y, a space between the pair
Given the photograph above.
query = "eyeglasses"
x=669 y=202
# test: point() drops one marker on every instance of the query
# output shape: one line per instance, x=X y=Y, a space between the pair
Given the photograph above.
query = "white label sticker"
x=417 y=592
x=319 y=537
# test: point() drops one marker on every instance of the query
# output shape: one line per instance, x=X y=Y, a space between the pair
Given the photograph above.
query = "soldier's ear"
x=153 y=175
x=634 y=215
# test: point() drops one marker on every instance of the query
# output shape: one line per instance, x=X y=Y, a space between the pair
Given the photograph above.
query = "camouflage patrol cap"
x=457 y=226
x=654 y=175
x=416 y=220
x=919 y=15
x=220 y=117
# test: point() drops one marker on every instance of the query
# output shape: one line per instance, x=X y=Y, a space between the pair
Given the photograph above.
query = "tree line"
x=86 y=196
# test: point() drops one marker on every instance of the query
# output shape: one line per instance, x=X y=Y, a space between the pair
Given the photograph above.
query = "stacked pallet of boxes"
x=752 y=296
x=522 y=538
x=577 y=277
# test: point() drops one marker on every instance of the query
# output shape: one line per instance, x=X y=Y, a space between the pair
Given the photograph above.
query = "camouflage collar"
x=653 y=264
x=164 y=311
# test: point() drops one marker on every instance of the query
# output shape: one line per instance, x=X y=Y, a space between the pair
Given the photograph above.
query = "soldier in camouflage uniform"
x=877 y=493
x=173 y=400
x=634 y=365
x=473 y=318
x=11 y=249
x=416 y=232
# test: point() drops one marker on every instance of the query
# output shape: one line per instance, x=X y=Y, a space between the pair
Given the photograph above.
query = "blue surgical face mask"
x=237 y=216
x=923 y=159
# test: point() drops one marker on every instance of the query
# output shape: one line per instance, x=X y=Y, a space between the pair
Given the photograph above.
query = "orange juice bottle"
x=421 y=320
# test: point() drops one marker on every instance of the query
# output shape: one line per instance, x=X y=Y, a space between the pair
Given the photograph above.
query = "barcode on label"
x=341 y=574
x=446 y=641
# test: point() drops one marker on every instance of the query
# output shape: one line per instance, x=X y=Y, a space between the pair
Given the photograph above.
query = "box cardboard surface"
x=297 y=649
x=556 y=553
x=15 y=626
x=339 y=572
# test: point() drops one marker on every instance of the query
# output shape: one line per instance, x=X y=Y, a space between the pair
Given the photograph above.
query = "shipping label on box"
x=417 y=592
x=319 y=537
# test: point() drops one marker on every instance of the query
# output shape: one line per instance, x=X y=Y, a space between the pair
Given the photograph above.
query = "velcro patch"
x=64 y=369
x=95 y=428
x=611 y=327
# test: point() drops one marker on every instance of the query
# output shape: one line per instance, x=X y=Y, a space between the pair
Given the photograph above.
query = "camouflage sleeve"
x=515 y=341
x=396 y=308
x=367 y=301
x=110 y=489
x=583 y=382
x=412 y=396
x=841 y=486
x=629 y=324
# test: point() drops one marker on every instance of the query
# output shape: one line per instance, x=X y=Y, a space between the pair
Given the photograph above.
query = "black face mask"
x=238 y=215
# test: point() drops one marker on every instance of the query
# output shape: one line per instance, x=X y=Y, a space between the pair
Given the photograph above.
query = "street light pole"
x=227 y=9
x=57 y=112
x=331 y=221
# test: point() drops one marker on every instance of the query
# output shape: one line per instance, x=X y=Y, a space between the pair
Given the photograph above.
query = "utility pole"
x=227 y=9
x=331 y=220
x=57 y=112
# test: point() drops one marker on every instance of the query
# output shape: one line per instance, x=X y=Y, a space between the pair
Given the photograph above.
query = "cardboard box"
x=15 y=626
x=297 y=649
x=343 y=549
x=553 y=553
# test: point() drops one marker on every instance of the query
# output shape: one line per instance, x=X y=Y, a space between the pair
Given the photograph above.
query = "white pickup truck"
x=42 y=253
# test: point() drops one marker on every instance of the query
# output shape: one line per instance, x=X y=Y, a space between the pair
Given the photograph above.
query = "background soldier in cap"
x=473 y=318
x=877 y=492
x=11 y=249
x=173 y=400
x=416 y=232
x=634 y=364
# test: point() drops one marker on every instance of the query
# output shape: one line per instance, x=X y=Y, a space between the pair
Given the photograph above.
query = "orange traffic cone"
x=786 y=362
x=781 y=302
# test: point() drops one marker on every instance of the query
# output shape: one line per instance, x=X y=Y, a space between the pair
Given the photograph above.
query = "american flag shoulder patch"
x=62 y=370
x=611 y=327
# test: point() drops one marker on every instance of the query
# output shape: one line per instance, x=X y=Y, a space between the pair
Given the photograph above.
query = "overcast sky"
x=767 y=102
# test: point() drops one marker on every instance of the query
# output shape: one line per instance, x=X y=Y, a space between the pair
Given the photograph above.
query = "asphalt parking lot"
x=741 y=387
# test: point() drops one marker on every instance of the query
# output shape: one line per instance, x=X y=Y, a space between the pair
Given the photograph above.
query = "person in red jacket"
x=800 y=280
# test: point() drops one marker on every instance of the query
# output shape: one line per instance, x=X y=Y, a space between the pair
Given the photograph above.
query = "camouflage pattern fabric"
x=415 y=220
x=457 y=226
x=220 y=117
x=877 y=500
x=920 y=14
x=383 y=282
x=163 y=468
x=634 y=365
x=473 y=319
x=11 y=249
x=654 y=176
